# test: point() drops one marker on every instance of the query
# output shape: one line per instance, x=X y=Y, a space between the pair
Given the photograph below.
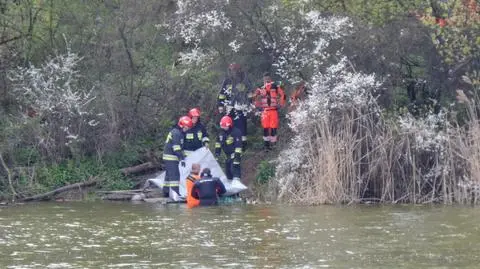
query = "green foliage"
x=265 y=171
x=70 y=172
x=26 y=156
x=113 y=179
x=127 y=156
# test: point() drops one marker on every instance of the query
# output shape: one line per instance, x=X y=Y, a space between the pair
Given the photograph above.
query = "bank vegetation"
x=88 y=88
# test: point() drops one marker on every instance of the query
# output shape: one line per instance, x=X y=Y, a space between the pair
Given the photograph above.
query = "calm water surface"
x=123 y=235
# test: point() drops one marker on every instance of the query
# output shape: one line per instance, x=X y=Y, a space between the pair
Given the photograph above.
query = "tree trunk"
x=9 y=176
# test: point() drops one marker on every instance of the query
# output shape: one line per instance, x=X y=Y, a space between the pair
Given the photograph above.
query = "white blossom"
x=428 y=131
x=195 y=20
x=304 y=44
x=196 y=56
x=51 y=87
x=235 y=45
x=53 y=92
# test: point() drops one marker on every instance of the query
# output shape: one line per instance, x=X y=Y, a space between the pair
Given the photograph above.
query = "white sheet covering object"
x=206 y=159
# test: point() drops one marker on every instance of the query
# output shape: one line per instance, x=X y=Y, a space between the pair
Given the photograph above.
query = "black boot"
x=266 y=145
x=244 y=146
x=272 y=145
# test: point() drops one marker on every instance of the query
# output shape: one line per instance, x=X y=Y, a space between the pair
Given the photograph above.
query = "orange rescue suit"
x=192 y=201
x=271 y=97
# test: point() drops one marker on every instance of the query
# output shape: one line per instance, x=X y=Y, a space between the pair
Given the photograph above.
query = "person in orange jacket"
x=191 y=179
x=269 y=99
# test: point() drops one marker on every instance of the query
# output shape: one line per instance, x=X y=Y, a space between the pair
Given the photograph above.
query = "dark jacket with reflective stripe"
x=195 y=137
x=173 y=150
x=207 y=190
x=230 y=141
x=234 y=93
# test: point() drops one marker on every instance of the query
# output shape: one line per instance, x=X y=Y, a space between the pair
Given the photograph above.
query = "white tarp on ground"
x=206 y=159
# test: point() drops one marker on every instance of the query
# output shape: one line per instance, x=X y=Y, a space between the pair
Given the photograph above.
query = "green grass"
x=265 y=172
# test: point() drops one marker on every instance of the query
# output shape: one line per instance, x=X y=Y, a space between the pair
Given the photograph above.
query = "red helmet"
x=194 y=112
x=226 y=121
x=185 y=121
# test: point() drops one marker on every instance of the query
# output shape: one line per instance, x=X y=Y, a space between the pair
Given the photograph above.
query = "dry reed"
x=357 y=157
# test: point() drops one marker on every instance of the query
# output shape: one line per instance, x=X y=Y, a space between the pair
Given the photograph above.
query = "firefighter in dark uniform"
x=197 y=136
x=208 y=189
x=230 y=141
x=233 y=99
x=173 y=154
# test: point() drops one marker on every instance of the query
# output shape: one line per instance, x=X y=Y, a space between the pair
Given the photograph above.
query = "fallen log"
x=118 y=197
x=48 y=195
x=129 y=194
x=139 y=168
x=124 y=191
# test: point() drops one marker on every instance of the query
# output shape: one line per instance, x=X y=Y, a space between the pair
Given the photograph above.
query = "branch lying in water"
x=48 y=195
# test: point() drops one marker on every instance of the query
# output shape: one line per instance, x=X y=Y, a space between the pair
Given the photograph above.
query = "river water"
x=124 y=235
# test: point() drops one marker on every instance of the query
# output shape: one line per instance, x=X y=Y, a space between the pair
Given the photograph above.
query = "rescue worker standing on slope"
x=269 y=99
x=173 y=154
x=230 y=141
x=197 y=136
x=233 y=99
x=207 y=189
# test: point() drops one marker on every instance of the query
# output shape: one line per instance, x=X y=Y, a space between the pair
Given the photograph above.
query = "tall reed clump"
x=463 y=183
x=345 y=150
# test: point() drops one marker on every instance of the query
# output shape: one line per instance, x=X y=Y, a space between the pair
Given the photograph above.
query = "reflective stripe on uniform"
x=171 y=184
x=244 y=138
x=218 y=145
x=221 y=96
x=169 y=137
x=170 y=157
x=235 y=162
x=199 y=135
x=176 y=147
x=238 y=150
x=188 y=152
x=229 y=140
x=189 y=136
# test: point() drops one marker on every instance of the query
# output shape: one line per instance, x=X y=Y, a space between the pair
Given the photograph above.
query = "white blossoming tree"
x=197 y=24
x=324 y=127
x=55 y=103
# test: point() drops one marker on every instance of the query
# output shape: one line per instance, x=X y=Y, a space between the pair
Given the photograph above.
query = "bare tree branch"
x=3 y=42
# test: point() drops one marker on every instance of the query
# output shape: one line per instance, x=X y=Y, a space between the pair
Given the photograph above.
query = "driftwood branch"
x=130 y=194
x=48 y=195
x=139 y=168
